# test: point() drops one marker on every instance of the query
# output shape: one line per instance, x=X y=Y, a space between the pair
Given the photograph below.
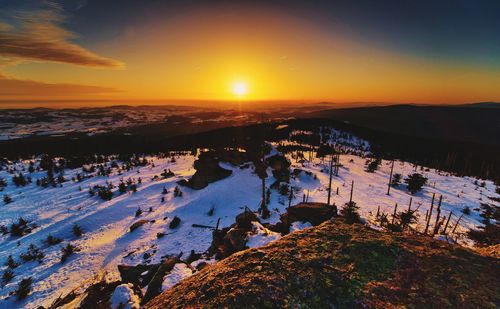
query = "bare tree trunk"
x=447 y=222
x=352 y=189
x=456 y=224
x=390 y=178
x=430 y=214
x=394 y=214
x=330 y=182
x=436 y=226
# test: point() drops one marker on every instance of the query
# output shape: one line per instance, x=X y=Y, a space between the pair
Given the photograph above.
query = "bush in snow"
x=138 y=212
x=24 y=288
x=466 y=210
x=32 y=254
x=77 y=230
x=3 y=184
x=19 y=180
x=52 y=240
x=396 y=180
x=8 y=274
x=67 y=252
x=177 y=192
x=415 y=182
x=7 y=199
x=11 y=263
x=373 y=165
x=350 y=213
x=20 y=228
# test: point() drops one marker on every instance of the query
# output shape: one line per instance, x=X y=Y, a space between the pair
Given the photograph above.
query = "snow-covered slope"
x=107 y=240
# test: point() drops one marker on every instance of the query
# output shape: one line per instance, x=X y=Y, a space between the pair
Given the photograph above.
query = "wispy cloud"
x=11 y=88
x=38 y=35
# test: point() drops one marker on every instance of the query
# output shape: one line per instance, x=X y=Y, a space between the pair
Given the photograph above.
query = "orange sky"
x=200 y=54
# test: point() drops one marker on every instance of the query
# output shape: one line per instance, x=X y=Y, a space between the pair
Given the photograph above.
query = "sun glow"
x=240 y=89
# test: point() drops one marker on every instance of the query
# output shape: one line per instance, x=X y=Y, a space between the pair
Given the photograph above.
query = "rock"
x=175 y=222
x=244 y=219
x=207 y=171
x=133 y=274
x=137 y=224
x=315 y=213
x=154 y=286
x=237 y=237
x=280 y=166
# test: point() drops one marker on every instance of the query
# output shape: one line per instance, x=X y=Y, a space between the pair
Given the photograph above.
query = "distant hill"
x=477 y=122
x=343 y=266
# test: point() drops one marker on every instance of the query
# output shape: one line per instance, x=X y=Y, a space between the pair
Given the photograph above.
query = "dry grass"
x=345 y=266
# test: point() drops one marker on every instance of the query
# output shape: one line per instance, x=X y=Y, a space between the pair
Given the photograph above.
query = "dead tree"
x=430 y=214
x=456 y=224
x=436 y=225
x=394 y=214
x=447 y=222
x=330 y=182
x=352 y=189
x=390 y=178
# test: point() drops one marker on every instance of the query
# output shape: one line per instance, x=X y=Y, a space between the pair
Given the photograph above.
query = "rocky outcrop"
x=208 y=170
x=343 y=266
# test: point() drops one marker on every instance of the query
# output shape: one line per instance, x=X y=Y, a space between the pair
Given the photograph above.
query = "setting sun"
x=240 y=89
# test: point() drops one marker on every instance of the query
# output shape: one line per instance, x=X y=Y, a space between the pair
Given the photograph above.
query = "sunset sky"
x=306 y=51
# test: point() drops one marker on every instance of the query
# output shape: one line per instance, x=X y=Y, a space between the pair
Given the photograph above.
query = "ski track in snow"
x=107 y=241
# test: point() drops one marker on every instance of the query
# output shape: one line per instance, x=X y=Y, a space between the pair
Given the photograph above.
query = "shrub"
x=396 y=180
x=77 y=230
x=24 y=288
x=11 y=263
x=466 y=210
x=350 y=213
x=415 y=182
x=8 y=274
x=7 y=199
x=67 y=252
x=138 y=212
x=177 y=192
x=52 y=240
x=211 y=211
x=19 y=180
x=373 y=165
x=20 y=228
x=33 y=254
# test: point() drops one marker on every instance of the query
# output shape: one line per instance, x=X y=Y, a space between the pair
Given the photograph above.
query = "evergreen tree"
x=11 y=263
x=67 y=251
x=24 y=288
x=396 y=180
x=7 y=199
x=415 y=182
x=7 y=276
x=32 y=254
x=350 y=212
x=373 y=165
x=77 y=230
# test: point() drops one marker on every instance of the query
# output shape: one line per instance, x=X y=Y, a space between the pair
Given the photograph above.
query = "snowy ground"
x=108 y=242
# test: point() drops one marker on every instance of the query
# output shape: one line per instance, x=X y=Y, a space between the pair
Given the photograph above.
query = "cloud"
x=11 y=87
x=38 y=35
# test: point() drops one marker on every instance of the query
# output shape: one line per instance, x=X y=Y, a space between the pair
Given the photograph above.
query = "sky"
x=392 y=51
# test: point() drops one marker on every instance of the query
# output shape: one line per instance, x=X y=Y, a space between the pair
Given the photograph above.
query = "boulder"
x=175 y=222
x=237 y=238
x=315 y=213
x=207 y=171
x=154 y=286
